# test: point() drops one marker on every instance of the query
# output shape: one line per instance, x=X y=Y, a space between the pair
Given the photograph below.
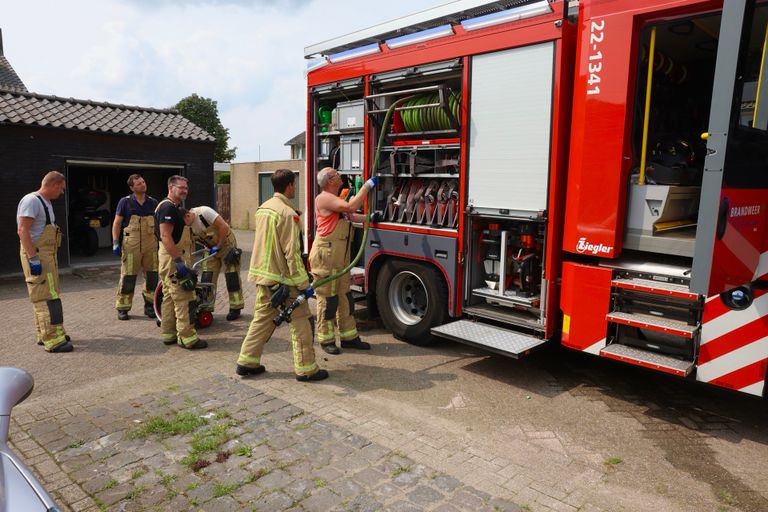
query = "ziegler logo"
x=583 y=246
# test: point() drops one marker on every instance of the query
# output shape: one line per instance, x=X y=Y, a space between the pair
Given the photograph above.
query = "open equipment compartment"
x=420 y=159
x=505 y=271
x=338 y=127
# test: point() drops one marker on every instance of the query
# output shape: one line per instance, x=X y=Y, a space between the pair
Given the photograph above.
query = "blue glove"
x=35 y=267
x=372 y=182
x=309 y=292
x=213 y=250
x=181 y=268
x=116 y=248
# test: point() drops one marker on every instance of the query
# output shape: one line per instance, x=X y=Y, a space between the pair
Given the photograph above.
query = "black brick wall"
x=27 y=153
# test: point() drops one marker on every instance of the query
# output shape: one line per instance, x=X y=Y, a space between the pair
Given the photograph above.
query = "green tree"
x=204 y=112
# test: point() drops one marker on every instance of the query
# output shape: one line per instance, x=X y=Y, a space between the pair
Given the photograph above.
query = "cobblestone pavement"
x=557 y=431
x=220 y=445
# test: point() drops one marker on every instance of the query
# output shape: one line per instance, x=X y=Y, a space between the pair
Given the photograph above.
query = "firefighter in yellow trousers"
x=175 y=262
x=331 y=253
x=209 y=228
x=137 y=247
x=279 y=273
x=40 y=239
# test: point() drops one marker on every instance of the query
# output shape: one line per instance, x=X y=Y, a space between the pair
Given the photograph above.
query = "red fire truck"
x=592 y=172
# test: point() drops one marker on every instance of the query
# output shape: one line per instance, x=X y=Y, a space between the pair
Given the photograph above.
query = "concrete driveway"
x=400 y=428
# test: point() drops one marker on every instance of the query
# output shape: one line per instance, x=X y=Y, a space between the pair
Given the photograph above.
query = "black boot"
x=64 y=347
x=330 y=348
x=355 y=343
x=122 y=315
x=149 y=310
x=244 y=371
x=233 y=314
x=319 y=375
x=196 y=345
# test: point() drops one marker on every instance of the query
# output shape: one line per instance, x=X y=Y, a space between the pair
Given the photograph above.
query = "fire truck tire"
x=412 y=299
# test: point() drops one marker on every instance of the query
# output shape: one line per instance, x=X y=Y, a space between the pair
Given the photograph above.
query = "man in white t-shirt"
x=210 y=229
x=40 y=239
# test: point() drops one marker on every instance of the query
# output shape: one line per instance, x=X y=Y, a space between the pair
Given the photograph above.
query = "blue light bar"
x=420 y=37
x=515 y=14
x=316 y=64
x=355 y=52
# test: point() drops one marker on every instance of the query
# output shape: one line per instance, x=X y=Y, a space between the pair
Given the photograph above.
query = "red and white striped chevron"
x=734 y=345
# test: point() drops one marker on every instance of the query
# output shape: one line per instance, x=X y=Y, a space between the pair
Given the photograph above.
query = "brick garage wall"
x=245 y=188
x=26 y=153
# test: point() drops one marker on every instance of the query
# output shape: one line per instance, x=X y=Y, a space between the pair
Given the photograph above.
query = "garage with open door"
x=93 y=191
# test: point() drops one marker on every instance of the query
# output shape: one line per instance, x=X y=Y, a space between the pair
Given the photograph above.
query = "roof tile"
x=36 y=109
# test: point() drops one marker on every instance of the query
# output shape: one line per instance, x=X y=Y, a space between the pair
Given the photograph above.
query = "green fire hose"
x=286 y=313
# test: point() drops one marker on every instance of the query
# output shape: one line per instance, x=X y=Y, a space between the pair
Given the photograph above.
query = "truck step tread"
x=654 y=323
x=659 y=288
x=496 y=339
x=648 y=359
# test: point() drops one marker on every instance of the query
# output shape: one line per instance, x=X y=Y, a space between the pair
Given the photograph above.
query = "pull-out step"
x=646 y=285
x=654 y=323
x=502 y=341
x=648 y=359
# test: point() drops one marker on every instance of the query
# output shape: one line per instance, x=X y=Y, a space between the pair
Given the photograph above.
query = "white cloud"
x=247 y=55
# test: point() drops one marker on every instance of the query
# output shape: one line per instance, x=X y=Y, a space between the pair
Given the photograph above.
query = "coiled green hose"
x=429 y=118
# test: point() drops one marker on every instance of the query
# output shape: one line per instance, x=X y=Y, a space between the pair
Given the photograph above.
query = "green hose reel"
x=429 y=118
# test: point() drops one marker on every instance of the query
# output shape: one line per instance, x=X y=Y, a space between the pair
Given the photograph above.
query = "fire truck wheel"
x=411 y=299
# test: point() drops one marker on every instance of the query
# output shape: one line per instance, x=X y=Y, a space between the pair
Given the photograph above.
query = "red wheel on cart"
x=204 y=319
x=158 y=301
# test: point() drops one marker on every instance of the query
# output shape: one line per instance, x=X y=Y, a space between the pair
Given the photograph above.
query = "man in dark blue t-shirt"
x=137 y=247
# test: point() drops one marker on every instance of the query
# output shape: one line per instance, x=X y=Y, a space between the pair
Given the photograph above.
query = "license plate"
x=94 y=223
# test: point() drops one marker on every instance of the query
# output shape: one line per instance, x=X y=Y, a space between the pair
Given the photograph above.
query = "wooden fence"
x=223 y=201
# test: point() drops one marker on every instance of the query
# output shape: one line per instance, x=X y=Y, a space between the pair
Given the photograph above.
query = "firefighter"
x=175 y=260
x=331 y=253
x=40 y=239
x=209 y=228
x=134 y=241
x=278 y=271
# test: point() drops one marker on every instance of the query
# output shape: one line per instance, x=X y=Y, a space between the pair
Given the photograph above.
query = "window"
x=266 y=190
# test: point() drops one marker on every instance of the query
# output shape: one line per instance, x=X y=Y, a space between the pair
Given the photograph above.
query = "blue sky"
x=247 y=55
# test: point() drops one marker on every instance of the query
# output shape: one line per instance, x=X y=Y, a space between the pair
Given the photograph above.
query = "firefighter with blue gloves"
x=40 y=239
x=331 y=252
x=278 y=271
x=134 y=224
x=210 y=229
x=175 y=261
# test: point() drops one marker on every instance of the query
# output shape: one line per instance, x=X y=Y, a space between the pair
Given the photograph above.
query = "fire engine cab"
x=593 y=173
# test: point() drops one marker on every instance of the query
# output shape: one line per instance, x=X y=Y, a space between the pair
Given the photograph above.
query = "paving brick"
x=274 y=501
x=424 y=496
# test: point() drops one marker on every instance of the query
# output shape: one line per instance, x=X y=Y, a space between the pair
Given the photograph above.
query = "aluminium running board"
x=502 y=341
x=648 y=359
